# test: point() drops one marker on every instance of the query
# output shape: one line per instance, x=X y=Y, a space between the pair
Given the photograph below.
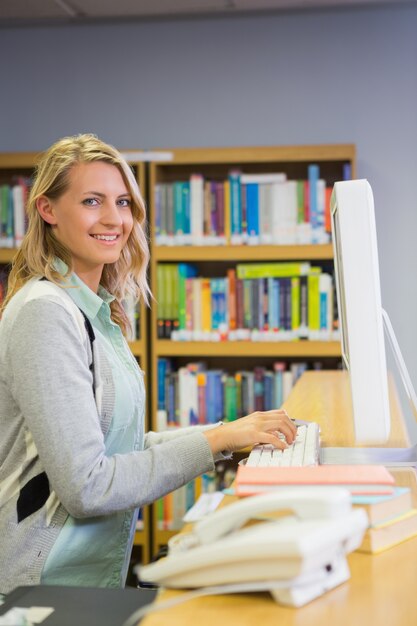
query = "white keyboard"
x=304 y=451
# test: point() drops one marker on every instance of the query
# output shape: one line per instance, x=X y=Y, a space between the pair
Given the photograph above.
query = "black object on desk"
x=80 y=606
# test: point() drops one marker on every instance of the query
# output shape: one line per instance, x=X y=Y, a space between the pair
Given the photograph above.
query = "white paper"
x=205 y=504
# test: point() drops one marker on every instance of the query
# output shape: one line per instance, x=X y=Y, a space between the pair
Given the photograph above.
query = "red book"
x=359 y=479
x=327 y=214
x=231 y=275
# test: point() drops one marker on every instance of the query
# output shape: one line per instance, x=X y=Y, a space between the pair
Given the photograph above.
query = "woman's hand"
x=258 y=427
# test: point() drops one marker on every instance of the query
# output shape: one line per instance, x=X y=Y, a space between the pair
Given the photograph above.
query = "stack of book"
x=358 y=479
x=392 y=517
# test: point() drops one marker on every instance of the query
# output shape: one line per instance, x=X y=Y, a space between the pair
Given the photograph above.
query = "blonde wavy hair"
x=127 y=276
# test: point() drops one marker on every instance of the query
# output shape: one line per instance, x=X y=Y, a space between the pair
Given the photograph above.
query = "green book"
x=6 y=237
x=295 y=303
x=313 y=291
x=185 y=270
x=272 y=270
x=230 y=399
x=300 y=202
x=161 y=302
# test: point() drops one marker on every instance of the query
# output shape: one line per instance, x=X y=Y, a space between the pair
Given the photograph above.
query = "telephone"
x=297 y=556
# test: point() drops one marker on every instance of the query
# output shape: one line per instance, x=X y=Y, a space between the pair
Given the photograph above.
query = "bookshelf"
x=213 y=260
x=23 y=164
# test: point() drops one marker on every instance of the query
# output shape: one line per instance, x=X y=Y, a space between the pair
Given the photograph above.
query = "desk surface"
x=382 y=588
x=324 y=397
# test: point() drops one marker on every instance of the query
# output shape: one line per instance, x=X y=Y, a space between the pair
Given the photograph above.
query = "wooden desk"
x=382 y=588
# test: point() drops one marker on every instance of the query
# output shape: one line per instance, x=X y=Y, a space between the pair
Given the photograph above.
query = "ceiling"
x=24 y=12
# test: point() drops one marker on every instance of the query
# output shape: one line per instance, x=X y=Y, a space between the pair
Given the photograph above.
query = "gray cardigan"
x=52 y=428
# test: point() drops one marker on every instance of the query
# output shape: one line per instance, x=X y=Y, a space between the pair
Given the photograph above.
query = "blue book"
x=186 y=208
x=323 y=310
x=313 y=176
x=162 y=370
x=347 y=171
x=189 y=494
x=252 y=209
x=222 y=301
x=235 y=204
x=219 y=396
x=214 y=396
x=271 y=304
x=377 y=498
x=210 y=397
x=276 y=303
x=158 y=200
x=214 y=288
x=178 y=209
x=172 y=383
x=278 y=386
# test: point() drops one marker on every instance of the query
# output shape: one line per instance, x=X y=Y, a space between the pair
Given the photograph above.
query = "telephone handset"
x=308 y=503
x=297 y=557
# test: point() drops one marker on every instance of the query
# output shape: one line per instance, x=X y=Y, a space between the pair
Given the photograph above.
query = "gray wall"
x=328 y=76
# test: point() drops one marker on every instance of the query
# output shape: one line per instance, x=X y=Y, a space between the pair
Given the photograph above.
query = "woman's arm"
x=51 y=384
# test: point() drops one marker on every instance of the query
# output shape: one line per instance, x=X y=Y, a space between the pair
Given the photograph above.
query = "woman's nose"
x=111 y=214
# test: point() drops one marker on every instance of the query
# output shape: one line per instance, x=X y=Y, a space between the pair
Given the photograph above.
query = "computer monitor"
x=361 y=316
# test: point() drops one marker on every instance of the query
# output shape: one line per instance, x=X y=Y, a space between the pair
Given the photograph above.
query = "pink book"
x=359 y=479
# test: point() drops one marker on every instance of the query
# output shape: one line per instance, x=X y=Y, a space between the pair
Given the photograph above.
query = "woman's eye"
x=125 y=202
x=91 y=202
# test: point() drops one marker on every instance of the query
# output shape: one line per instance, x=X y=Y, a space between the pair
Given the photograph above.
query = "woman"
x=75 y=461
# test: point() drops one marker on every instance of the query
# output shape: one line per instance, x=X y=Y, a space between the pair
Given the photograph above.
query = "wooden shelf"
x=277 y=349
x=7 y=254
x=18 y=160
x=261 y=154
x=161 y=538
x=140 y=538
x=137 y=347
x=243 y=253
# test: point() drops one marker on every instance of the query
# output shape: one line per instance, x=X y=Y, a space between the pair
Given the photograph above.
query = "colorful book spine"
x=235 y=208
x=313 y=177
x=266 y=270
x=258 y=308
x=252 y=212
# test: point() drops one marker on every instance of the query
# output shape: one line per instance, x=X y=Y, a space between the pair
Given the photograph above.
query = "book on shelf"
x=253 y=302
x=12 y=212
x=205 y=491
x=195 y=394
x=359 y=479
x=388 y=533
x=170 y=509
x=243 y=208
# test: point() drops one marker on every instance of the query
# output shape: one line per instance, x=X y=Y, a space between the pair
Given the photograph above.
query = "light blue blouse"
x=96 y=551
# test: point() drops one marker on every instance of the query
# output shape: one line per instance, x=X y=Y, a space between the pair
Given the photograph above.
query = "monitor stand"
x=391 y=457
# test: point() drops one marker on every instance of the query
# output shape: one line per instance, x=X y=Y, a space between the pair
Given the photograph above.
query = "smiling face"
x=93 y=218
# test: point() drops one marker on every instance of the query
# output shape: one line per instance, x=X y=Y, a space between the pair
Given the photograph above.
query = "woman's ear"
x=46 y=210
